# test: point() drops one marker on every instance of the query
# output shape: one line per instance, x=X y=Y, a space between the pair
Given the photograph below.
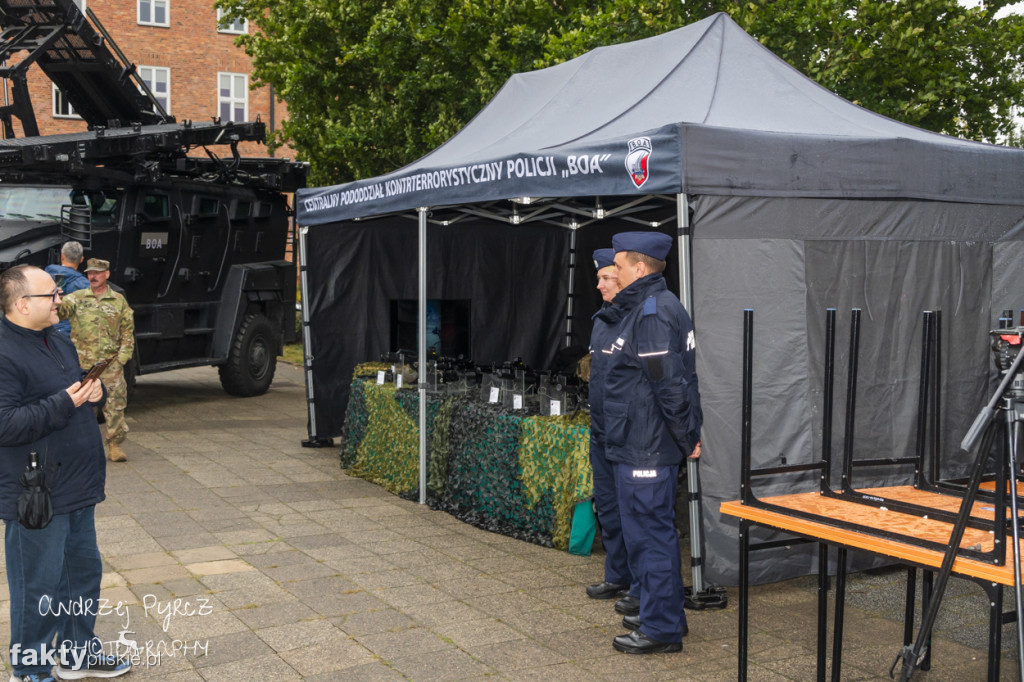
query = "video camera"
x=1006 y=340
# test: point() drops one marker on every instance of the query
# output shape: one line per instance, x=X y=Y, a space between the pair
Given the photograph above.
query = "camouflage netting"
x=354 y=429
x=554 y=454
x=440 y=448
x=511 y=474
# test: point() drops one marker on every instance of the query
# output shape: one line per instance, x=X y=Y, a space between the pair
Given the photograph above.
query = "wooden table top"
x=884 y=519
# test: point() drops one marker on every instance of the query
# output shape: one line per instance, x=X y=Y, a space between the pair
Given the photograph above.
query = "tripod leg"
x=911 y=657
x=1013 y=440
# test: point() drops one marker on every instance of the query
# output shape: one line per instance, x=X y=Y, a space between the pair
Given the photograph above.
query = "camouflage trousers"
x=117 y=400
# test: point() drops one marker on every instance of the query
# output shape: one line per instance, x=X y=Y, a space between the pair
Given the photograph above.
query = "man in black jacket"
x=53 y=573
x=652 y=421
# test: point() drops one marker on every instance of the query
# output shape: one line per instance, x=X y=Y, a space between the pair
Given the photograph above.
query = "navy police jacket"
x=650 y=402
x=601 y=338
x=37 y=414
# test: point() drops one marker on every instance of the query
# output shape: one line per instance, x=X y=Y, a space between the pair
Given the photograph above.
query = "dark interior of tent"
x=481 y=265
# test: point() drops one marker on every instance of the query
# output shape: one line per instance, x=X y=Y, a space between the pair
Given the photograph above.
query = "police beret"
x=97 y=265
x=603 y=258
x=653 y=244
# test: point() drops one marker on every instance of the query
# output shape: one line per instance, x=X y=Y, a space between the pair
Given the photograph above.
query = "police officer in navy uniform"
x=617 y=577
x=652 y=420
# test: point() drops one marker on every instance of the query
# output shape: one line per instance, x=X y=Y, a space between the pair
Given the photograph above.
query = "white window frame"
x=224 y=27
x=152 y=71
x=152 y=9
x=58 y=98
x=233 y=99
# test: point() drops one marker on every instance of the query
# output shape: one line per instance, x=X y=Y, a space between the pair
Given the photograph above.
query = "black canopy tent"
x=795 y=200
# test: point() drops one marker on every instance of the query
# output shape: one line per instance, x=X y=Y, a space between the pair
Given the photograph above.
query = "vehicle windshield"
x=33 y=203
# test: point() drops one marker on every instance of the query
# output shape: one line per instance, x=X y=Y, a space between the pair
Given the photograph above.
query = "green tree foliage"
x=929 y=63
x=372 y=86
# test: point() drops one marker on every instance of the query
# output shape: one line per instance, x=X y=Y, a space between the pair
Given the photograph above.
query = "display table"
x=499 y=469
x=787 y=513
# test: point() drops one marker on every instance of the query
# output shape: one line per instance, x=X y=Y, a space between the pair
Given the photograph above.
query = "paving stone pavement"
x=233 y=553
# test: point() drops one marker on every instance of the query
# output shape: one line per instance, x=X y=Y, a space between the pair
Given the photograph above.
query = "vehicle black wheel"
x=252 y=359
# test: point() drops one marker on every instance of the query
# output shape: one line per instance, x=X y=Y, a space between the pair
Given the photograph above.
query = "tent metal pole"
x=572 y=282
x=700 y=596
x=314 y=441
x=685 y=262
x=692 y=473
x=421 y=350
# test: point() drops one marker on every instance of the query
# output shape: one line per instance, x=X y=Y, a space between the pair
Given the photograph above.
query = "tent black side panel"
x=893 y=261
x=515 y=281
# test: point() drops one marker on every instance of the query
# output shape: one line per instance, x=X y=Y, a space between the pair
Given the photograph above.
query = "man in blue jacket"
x=617 y=578
x=46 y=408
x=652 y=420
x=67 y=276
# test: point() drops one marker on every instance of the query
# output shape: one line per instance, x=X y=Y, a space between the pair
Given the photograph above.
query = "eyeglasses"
x=53 y=297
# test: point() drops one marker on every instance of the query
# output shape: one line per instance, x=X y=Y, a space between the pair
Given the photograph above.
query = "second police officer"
x=617 y=578
x=652 y=420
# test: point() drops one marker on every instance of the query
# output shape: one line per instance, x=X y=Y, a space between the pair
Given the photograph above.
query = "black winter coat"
x=37 y=414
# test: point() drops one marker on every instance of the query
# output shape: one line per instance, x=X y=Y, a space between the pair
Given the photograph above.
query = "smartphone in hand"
x=96 y=370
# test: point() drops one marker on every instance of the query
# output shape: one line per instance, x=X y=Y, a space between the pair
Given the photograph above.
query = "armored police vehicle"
x=197 y=244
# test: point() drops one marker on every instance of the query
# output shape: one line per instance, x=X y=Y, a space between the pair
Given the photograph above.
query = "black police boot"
x=628 y=605
x=605 y=590
x=637 y=642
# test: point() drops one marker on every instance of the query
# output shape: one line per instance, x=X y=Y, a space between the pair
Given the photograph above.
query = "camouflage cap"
x=97 y=265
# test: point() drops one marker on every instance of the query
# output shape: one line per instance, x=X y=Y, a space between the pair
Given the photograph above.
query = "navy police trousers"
x=647 y=508
x=606 y=499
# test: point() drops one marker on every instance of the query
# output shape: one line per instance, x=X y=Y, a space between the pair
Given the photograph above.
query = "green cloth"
x=584 y=524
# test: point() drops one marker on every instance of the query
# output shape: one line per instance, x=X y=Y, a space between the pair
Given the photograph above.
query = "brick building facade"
x=186 y=54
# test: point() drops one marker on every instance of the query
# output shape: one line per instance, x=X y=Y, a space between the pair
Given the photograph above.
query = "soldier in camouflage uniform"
x=103 y=326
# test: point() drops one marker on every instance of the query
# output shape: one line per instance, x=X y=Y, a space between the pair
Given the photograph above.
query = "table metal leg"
x=822 y=609
x=908 y=609
x=994 y=592
x=927 y=583
x=837 y=629
x=744 y=596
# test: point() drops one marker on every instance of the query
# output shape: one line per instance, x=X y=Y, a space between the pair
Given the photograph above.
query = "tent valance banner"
x=645 y=163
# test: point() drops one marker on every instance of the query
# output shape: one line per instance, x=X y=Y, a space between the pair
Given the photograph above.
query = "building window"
x=230 y=25
x=233 y=97
x=61 y=107
x=158 y=80
x=154 y=12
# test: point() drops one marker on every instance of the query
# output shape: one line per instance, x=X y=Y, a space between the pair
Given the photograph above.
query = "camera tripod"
x=1008 y=399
